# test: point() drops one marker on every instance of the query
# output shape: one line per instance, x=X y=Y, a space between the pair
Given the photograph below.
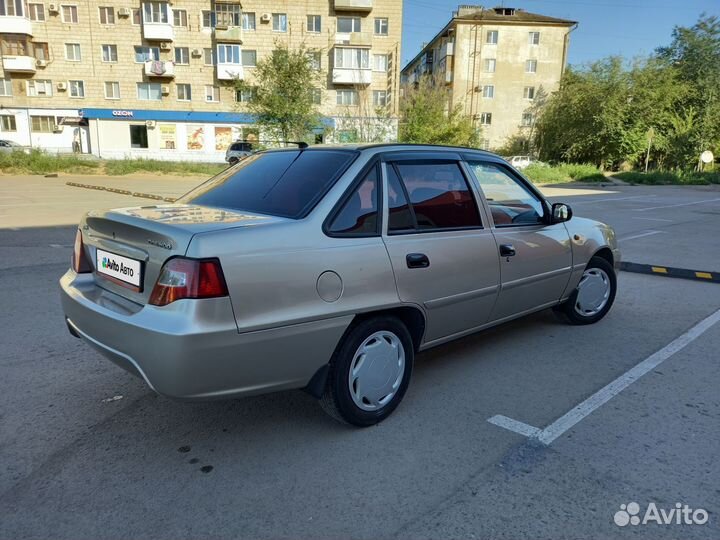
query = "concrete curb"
x=668 y=271
x=122 y=192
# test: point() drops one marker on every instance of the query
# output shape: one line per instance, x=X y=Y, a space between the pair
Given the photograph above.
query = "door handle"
x=417 y=260
x=507 y=250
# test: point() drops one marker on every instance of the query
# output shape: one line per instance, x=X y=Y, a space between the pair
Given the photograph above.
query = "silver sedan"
x=327 y=269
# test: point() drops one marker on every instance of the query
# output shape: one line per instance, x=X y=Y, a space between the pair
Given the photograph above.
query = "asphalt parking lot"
x=88 y=451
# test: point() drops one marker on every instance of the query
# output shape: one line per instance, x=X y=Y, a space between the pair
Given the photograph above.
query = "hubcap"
x=376 y=371
x=593 y=292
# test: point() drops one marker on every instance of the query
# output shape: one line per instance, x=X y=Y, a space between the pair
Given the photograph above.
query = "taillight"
x=188 y=278
x=79 y=262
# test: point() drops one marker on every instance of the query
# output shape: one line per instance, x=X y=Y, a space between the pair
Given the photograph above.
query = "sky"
x=607 y=27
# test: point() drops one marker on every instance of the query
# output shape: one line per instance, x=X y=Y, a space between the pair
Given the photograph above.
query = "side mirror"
x=561 y=212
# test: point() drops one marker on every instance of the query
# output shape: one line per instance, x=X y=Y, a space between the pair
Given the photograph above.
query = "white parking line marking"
x=605 y=394
x=676 y=205
x=615 y=199
x=653 y=219
x=514 y=425
x=649 y=233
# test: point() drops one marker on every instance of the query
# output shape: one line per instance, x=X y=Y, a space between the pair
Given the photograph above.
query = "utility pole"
x=650 y=135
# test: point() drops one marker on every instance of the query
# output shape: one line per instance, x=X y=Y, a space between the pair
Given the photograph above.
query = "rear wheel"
x=233 y=161
x=369 y=372
x=594 y=295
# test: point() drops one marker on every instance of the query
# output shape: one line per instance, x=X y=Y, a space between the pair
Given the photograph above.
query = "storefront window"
x=138 y=137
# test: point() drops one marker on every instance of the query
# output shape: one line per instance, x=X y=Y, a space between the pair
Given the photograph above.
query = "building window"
x=72 y=52
x=381 y=26
x=182 y=55
x=246 y=95
x=315 y=59
x=14 y=45
x=380 y=62
x=138 y=137
x=228 y=54
x=70 y=14
x=209 y=56
x=184 y=92
x=109 y=53
x=279 y=22
x=180 y=18
x=43 y=124
x=380 y=98
x=227 y=14
x=143 y=54
x=489 y=65
x=534 y=38
x=212 y=93
x=107 y=15
x=41 y=50
x=346 y=25
x=491 y=37
x=36 y=12
x=347 y=97
x=6 y=88
x=208 y=19
x=7 y=122
x=486 y=118
x=529 y=92
x=314 y=23
x=149 y=91
x=316 y=96
x=350 y=58
x=38 y=88
x=531 y=66
x=112 y=90
x=488 y=91
x=527 y=120
x=249 y=58
x=485 y=144
x=77 y=89
x=156 y=12
x=248 y=21
x=136 y=19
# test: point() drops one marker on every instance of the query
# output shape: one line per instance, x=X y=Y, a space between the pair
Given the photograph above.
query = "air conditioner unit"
x=53 y=8
x=124 y=12
x=165 y=90
x=41 y=63
x=265 y=17
x=57 y=129
x=165 y=46
x=62 y=86
x=478 y=88
x=197 y=53
x=150 y=124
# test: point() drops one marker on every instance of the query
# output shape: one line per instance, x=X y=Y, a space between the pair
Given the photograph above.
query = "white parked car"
x=520 y=162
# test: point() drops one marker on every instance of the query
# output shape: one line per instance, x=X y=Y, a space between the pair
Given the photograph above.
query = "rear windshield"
x=286 y=183
x=241 y=147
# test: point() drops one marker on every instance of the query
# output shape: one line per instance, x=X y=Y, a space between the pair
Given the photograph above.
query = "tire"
x=233 y=161
x=345 y=399
x=597 y=272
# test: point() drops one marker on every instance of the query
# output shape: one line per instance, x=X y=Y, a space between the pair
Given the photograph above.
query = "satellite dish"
x=707 y=157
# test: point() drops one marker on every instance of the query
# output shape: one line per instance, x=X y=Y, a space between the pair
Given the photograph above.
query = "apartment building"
x=495 y=62
x=120 y=78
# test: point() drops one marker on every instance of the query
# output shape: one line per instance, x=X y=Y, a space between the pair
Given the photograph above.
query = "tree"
x=426 y=118
x=365 y=123
x=282 y=93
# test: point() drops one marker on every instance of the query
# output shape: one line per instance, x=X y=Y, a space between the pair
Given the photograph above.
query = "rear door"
x=442 y=255
x=535 y=257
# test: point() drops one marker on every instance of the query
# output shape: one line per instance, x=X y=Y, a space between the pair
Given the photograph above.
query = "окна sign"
x=123 y=114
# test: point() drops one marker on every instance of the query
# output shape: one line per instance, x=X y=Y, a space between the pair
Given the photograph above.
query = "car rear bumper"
x=191 y=349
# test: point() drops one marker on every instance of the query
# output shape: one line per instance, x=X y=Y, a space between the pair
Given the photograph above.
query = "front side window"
x=77 y=89
x=149 y=91
x=346 y=25
x=182 y=55
x=144 y=54
x=491 y=37
x=381 y=26
x=155 y=12
x=359 y=214
x=180 y=18
x=112 y=90
x=279 y=21
x=511 y=203
x=284 y=183
x=438 y=195
x=72 y=52
x=107 y=15
x=70 y=14
x=350 y=58
x=109 y=53
x=248 y=21
x=314 y=23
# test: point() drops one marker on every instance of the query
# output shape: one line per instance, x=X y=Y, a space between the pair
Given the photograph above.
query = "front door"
x=535 y=257
x=442 y=255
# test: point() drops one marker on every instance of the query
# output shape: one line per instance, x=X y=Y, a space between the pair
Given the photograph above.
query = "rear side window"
x=241 y=147
x=359 y=215
x=439 y=197
x=286 y=183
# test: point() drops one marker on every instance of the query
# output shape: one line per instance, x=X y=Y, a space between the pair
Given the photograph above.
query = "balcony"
x=357 y=39
x=229 y=72
x=19 y=64
x=163 y=70
x=232 y=34
x=353 y=5
x=158 y=31
x=448 y=49
x=15 y=25
x=351 y=76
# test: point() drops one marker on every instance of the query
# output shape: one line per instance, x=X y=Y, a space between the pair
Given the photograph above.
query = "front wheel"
x=594 y=295
x=369 y=372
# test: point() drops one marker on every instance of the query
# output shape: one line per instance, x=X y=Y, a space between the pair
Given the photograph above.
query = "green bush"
x=129 y=166
x=669 y=178
x=565 y=172
x=39 y=162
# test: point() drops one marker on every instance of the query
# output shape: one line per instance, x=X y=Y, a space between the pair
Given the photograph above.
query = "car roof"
x=359 y=147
